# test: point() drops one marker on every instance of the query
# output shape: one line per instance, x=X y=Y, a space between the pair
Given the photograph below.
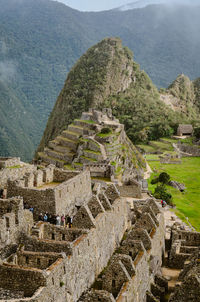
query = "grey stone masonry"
x=131 y=272
x=66 y=189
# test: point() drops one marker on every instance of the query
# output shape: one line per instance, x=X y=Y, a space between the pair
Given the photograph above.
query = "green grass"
x=69 y=167
x=92 y=151
x=188 y=141
x=160 y=146
x=104 y=134
x=187 y=203
x=78 y=164
x=101 y=178
x=147 y=148
x=14 y=167
x=152 y=157
x=89 y=158
x=169 y=140
x=83 y=140
x=85 y=121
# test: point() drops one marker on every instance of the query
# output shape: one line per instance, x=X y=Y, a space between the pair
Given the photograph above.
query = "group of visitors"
x=56 y=219
x=26 y=207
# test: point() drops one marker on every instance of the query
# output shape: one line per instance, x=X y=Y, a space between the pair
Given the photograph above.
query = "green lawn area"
x=147 y=148
x=169 y=140
x=161 y=146
x=187 y=203
x=152 y=157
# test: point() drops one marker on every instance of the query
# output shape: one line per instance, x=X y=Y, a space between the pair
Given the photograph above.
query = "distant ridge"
x=144 y=3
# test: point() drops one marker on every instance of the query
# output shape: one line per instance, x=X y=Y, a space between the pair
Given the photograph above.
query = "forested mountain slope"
x=40 y=40
x=107 y=76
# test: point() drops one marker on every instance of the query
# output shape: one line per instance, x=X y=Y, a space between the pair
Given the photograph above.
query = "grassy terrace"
x=152 y=157
x=187 y=203
x=161 y=146
x=147 y=148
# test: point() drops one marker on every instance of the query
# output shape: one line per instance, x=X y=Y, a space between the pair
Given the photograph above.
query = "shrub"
x=164 y=178
x=154 y=181
x=61 y=283
x=161 y=193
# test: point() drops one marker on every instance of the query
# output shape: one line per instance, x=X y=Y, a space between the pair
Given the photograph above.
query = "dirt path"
x=147 y=174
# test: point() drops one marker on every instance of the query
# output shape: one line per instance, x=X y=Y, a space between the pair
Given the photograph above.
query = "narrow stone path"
x=147 y=174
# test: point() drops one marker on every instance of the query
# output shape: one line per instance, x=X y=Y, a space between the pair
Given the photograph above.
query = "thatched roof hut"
x=184 y=130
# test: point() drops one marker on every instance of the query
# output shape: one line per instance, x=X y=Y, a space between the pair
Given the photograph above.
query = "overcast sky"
x=99 y=5
x=95 y=5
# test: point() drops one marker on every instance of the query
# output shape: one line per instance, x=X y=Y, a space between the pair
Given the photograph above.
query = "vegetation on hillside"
x=107 y=76
x=42 y=39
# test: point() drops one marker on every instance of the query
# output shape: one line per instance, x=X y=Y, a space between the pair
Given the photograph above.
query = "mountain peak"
x=105 y=69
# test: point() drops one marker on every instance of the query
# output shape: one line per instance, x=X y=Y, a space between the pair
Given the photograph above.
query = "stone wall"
x=13 y=220
x=33 y=259
x=6 y=162
x=15 y=173
x=183 y=245
x=131 y=271
x=88 y=251
x=40 y=200
x=192 y=150
x=26 y=280
x=59 y=199
x=74 y=192
x=133 y=190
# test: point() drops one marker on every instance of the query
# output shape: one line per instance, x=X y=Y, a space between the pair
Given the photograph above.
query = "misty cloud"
x=3 y=48
x=8 y=70
x=144 y=3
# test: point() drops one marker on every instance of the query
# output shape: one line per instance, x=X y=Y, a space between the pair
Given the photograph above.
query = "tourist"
x=70 y=222
x=62 y=220
x=45 y=217
x=49 y=218
x=31 y=209
x=53 y=219
x=41 y=217
x=57 y=220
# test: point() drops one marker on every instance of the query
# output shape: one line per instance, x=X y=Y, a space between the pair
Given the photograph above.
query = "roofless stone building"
x=116 y=246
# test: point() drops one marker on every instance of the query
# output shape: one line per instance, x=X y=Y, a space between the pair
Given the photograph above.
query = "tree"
x=164 y=178
x=161 y=193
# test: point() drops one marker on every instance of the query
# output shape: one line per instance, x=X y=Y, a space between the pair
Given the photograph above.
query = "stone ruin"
x=116 y=246
x=54 y=189
x=183 y=244
x=170 y=158
x=188 y=286
x=84 y=146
